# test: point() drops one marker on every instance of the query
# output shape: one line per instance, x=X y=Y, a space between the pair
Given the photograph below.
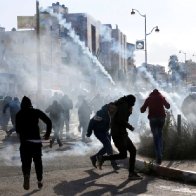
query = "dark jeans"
x=57 y=127
x=105 y=139
x=29 y=151
x=4 y=121
x=156 y=125
x=67 y=120
x=56 y=137
x=83 y=126
x=123 y=144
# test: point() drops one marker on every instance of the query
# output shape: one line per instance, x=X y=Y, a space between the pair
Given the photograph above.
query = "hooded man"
x=56 y=114
x=67 y=105
x=119 y=124
x=27 y=128
x=84 y=113
x=156 y=105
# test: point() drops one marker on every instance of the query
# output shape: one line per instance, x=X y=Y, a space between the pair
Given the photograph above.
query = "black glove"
x=46 y=137
x=132 y=128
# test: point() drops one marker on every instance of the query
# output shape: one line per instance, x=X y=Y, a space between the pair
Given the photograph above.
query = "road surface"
x=68 y=171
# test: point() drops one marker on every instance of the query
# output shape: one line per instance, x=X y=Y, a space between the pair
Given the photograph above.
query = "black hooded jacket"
x=120 y=120
x=27 y=120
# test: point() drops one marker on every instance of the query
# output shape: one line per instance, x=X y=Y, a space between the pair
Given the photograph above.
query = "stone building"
x=191 y=72
x=158 y=72
x=2 y=29
x=113 y=52
x=87 y=28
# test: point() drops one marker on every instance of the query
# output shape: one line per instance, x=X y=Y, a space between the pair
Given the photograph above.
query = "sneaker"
x=60 y=145
x=26 y=184
x=40 y=184
x=100 y=161
x=68 y=136
x=115 y=166
x=159 y=161
x=51 y=143
x=134 y=176
x=8 y=133
x=93 y=160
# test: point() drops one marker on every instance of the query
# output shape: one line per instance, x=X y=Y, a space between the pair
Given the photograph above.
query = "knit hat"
x=26 y=103
x=130 y=99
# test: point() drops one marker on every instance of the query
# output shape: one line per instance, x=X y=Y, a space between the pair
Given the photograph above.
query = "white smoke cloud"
x=105 y=33
x=82 y=75
x=76 y=39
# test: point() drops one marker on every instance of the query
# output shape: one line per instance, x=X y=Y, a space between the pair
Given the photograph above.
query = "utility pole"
x=145 y=34
x=39 y=68
x=146 y=60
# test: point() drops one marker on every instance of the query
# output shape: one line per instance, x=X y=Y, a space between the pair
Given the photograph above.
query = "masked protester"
x=119 y=124
x=56 y=114
x=30 y=140
x=156 y=115
x=67 y=105
x=84 y=113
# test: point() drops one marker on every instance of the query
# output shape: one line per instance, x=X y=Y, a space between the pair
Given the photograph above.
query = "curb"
x=168 y=172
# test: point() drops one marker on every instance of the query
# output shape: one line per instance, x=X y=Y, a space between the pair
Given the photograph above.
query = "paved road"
x=68 y=171
x=87 y=181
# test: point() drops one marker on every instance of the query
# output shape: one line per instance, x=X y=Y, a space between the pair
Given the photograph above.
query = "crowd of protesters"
x=108 y=121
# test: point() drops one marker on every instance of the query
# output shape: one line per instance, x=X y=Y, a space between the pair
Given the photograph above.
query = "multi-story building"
x=21 y=48
x=113 y=52
x=87 y=28
x=191 y=72
x=119 y=56
x=131 y=68
x=105 y=53
x=158 y=73
x=2 y=29
x=18 y=54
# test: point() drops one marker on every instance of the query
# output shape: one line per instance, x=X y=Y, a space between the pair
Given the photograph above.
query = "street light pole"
x=145 y=44
x=39 y=70
x=154 y=28
x=145 y=34
x=146 y=60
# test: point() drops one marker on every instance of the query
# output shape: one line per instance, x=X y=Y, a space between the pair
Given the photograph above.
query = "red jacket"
x=155 y=104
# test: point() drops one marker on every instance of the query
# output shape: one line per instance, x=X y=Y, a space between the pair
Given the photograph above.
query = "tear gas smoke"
x=105 y=33
x=20 y=56
x=76 y=39
x=10 y=155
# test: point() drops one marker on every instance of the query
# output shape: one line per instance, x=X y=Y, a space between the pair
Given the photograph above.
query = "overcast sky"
x=176 y=20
